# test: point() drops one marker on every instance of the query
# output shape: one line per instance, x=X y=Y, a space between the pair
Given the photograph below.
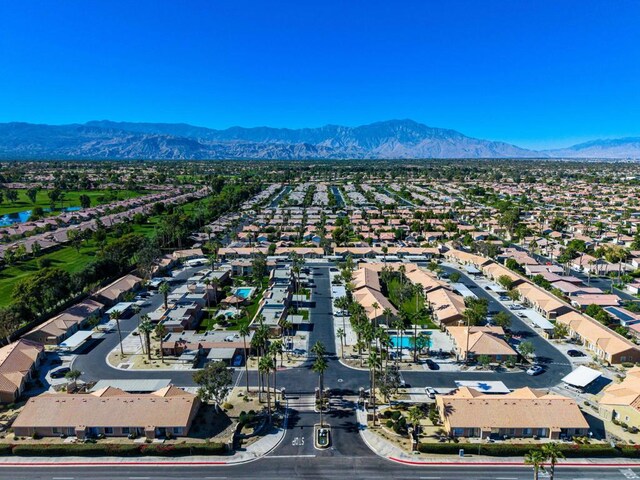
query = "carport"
x=76 y=340
x=581 y=377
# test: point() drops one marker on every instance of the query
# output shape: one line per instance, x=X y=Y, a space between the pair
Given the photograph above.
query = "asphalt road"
x=296 y=456
x=302 y=379
x=313 y=467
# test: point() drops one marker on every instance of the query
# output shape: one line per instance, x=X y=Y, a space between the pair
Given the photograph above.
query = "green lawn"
x=408 y=304
x=71 y=199
x=66 y=258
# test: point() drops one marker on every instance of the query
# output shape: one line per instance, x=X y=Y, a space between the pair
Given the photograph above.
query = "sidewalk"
x=389 y=451
x=253 y=452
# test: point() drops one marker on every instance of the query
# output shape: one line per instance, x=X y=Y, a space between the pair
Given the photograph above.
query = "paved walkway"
x=390 y=451
x=253 y=452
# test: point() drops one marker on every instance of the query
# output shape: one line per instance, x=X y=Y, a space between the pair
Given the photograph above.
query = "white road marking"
x=289 y=456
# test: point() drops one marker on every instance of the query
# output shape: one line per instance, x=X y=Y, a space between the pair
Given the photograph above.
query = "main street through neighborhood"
x=295 y=456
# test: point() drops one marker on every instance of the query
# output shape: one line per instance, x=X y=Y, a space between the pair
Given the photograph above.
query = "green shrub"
x=395 y=415
x=506 y=449
x=389 y=423
x=116 y=450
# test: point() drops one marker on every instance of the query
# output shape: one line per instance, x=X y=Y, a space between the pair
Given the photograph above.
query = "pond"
x=22 y=217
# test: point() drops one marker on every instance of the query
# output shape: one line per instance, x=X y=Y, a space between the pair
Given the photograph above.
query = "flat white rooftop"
x=483 y=386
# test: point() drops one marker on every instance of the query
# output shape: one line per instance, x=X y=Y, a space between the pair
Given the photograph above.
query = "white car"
x=535 y=370
x=431 y=392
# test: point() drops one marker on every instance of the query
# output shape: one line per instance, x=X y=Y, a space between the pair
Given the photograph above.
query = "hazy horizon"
x=533 y=75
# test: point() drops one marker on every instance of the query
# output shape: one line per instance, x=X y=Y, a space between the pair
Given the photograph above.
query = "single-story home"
x=110 y=412
x=525 y=412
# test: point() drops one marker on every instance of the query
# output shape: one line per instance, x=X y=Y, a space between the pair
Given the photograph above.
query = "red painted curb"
x=513 y=464
x=104 y=464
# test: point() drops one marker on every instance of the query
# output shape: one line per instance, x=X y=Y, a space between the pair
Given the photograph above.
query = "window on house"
x=458 y=432
x=125 y=430
x=177 y=430
x=108 y=430
x=526 y=432
x=56 y=430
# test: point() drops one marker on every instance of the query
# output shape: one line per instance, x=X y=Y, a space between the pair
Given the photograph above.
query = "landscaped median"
x=518 y=450
x=112 y=450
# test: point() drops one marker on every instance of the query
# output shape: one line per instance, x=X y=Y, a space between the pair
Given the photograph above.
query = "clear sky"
x=536 y=73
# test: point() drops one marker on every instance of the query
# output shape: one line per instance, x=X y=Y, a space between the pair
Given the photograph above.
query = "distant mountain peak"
x=388 y=139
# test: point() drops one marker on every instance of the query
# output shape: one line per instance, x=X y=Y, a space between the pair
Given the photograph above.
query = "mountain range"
x=393 y=139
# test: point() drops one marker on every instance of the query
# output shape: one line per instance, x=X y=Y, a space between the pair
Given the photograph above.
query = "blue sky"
x=535 y=73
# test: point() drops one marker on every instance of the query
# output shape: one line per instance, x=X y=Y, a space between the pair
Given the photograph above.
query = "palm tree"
x=536 y=459
x=164 y=290
x=373 y=363
x=115 y=315
x=275 y=348
x=320 y=365
x=146 y=327
x=375 y=306
x=341 y=336
x=160 y=332
x=259 y=343
x=414 y=416
x=552 y=453
x=387 y=313
x=398 y=324
x=136 y=311
x=265 y=366
x=244 y=331
x=207 y=284
x=215 y=283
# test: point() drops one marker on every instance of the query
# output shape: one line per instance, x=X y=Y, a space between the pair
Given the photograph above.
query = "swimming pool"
x=243 y=292
x=407 y=340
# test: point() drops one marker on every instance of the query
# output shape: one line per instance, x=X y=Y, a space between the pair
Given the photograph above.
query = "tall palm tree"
x=259 y=342
x=387 y=313
x=115 y=315
x=207 y=284
x=552 y=453
x=536 y=459
x=320 y=366
x=215 y=283
x=146 y=327
x=164 y=290
x=160 y=332
x=373 y=362
x=244 y=331
x=265 y=366
x=375 y=306
x=275 y=349
x=341 y=336
x=398 y=324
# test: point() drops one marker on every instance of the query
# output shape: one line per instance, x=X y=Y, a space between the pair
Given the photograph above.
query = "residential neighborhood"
x=419 y=311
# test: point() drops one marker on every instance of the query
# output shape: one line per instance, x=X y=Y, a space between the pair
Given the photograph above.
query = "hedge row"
x=106 y=449
x=518 y=450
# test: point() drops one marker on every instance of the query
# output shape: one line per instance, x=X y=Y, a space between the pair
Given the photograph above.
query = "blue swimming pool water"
x=406 y=340
x=243 y=292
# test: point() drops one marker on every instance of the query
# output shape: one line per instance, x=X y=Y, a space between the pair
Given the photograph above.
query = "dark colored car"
x=575 y=353
x=431 y=365
x=60 y=372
